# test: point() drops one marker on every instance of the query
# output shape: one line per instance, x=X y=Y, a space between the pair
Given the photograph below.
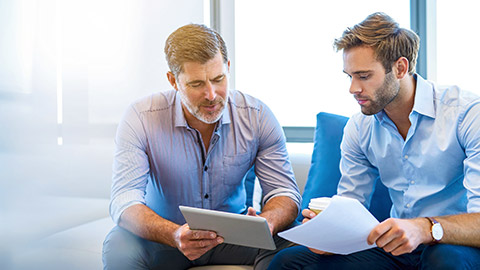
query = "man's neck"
x=206 y=130
x=399 y=110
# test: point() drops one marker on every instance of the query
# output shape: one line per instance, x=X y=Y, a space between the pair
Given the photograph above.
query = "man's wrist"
x=426 y=226
x=436 y=230
x=175 y=236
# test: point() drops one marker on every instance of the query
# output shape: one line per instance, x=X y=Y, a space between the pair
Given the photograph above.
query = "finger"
x=395 y=244
x=200 y=234
x=378 y=232
x=305 y=220
x=195 y=249
x=206 y=243
x=193 y=253
x=251 y=211
x=407 y=247
x=308 y=213
x=393 y=238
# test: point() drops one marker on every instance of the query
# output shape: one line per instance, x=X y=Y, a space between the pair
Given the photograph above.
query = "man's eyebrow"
x=358 y=72
x=362 y=71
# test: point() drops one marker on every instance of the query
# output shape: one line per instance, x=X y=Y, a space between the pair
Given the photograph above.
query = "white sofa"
x=55 y=205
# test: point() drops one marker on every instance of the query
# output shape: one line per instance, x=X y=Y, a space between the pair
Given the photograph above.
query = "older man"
x=192 y=146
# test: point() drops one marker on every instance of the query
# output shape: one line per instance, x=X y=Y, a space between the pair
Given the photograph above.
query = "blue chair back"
x=324 y=172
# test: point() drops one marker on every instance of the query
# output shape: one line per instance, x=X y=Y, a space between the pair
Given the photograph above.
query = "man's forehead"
x=211 y=69
x=202 y=74
x=360 y=59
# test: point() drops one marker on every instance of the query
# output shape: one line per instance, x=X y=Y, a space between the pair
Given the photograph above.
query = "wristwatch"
x=436 y=230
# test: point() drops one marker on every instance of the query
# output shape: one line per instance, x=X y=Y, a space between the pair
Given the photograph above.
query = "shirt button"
x=412 y=182
x=406 y=156
x=206 y=196
x=408 y=205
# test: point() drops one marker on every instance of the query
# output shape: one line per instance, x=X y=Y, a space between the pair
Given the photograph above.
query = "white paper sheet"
x=342 y=228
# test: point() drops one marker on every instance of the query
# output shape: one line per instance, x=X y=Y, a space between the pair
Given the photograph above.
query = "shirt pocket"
x=235 y=167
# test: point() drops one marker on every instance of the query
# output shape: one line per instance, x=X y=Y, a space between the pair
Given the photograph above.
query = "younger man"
x=422 y=142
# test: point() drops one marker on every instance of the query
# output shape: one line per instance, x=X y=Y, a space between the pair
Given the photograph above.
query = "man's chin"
x=210 y=119
x=367 y=111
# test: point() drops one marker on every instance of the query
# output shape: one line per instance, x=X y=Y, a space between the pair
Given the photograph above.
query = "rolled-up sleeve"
x=469 y=135
x=272 y=164
x=130 y=166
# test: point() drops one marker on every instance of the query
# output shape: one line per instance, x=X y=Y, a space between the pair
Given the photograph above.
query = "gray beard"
x=196 y=112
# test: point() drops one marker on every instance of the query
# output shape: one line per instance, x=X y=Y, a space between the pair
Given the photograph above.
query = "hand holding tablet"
x=195 y=243
x=243 y=230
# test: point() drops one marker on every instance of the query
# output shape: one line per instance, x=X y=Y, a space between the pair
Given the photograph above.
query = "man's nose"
x=210 y=93
x=354 y=88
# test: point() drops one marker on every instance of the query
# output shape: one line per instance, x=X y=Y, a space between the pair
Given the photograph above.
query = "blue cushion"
x=249 y=180
x=324 y=172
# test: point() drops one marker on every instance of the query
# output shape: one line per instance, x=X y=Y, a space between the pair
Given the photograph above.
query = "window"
x=284 y=53
x=456 y=40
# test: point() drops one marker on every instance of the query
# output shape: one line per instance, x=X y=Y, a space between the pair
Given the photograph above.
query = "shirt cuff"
x=123 y=201
x=284 y=192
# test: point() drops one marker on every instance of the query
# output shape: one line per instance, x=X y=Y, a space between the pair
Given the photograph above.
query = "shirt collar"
x=424 y=97
x=423 y=103
x=181 y=121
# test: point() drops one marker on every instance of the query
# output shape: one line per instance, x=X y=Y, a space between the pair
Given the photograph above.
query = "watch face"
x=437 y=231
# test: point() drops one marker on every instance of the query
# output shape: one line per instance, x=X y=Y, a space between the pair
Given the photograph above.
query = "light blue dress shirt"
x=161 y=162
x=434 y=171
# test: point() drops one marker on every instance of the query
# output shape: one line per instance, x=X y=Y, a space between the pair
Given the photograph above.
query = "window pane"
x=284 y=53
x=456 y=26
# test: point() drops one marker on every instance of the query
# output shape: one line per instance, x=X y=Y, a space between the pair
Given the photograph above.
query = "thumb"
x=251 y=211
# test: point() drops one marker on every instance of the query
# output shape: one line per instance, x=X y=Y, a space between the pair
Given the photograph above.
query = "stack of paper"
x=342 y=228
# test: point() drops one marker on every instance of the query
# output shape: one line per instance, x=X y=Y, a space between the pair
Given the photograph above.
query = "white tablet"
x=236 y=229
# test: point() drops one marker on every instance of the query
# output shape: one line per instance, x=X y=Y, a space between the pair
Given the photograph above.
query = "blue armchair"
x=324 y=172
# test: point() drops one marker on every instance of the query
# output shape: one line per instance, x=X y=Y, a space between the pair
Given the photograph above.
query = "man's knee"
x=450 y=257
x=122 y=250
x=291 y=258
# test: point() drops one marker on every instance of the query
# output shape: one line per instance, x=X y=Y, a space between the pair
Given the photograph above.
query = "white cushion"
x=76 y=248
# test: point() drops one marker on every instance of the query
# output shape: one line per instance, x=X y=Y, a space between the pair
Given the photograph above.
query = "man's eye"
x=218 y=80
x=195 y=85
x=364 y=77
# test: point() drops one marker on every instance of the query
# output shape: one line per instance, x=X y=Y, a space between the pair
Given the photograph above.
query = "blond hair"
x=383 y=34
x=193 y=43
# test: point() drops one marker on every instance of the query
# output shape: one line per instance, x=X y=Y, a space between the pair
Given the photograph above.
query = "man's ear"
x=172 y=80
x=401 y=67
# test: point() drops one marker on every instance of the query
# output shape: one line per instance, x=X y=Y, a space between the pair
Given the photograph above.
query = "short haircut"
x=383 y=34
x=193 y=43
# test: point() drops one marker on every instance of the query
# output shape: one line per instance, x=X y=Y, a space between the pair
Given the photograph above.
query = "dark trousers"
x=437 y=257
x=124 y=250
